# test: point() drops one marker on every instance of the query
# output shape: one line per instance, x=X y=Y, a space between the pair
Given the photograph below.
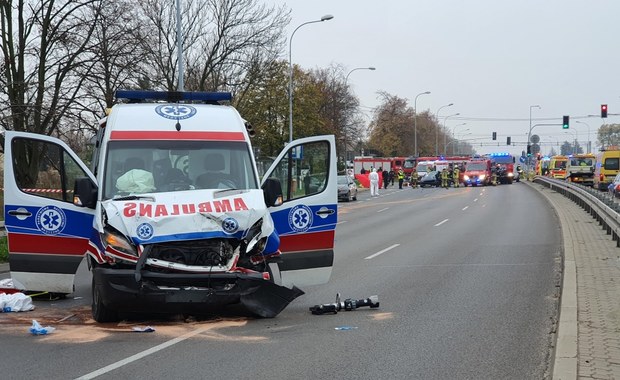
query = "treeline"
x=63 y=61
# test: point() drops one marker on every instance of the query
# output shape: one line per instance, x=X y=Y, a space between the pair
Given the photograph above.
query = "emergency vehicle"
x=506 y=162
x=580 y=168
x=477 y=172
x=557 y=167
x=607 y=166
x=171 y=213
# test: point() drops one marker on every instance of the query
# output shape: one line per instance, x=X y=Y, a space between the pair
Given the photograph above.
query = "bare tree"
x=42 y=43
x=223 y=41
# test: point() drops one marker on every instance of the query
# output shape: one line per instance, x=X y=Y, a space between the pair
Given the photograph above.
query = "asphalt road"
x=468 y=281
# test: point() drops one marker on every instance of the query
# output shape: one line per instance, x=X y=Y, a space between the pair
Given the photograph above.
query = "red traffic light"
x=603 y=110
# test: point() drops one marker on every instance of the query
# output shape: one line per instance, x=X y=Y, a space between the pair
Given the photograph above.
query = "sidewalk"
x=588 y=342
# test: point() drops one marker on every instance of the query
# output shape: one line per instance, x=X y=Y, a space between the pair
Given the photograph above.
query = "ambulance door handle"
x=325 y=212
x=19 y=213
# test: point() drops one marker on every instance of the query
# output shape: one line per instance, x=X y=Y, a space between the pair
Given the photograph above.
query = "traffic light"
x=508 y=140
x=494 y=135
x=529 y=150
x=603 y=110
x=565 y=122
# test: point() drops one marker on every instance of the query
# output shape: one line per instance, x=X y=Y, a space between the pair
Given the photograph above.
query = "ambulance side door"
x=47 y=234
x=306 y=221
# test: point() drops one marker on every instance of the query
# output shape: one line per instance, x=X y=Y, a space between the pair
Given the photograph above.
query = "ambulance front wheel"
x=101 y=313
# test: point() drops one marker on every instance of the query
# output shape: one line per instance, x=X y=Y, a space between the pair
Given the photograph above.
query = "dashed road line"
x=465 y=208
x=383 y=209
x=442 y=222
x=381 y=252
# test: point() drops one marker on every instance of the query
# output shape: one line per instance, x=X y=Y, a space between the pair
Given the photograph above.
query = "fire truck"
x=506 y=162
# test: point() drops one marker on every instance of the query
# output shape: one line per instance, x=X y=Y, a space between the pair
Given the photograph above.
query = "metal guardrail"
x=596 y=203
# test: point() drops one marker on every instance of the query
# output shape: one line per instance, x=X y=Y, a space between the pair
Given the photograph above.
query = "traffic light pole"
x=529 y=137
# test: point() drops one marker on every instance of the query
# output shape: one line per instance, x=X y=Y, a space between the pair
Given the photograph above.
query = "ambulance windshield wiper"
x=134 y=198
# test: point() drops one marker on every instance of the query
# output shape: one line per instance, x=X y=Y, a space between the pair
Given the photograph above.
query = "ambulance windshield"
x=153 y=166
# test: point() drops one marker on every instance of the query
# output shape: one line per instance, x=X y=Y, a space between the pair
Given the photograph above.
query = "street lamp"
x=346 y=82
x=445 y=146
x=587 y=125
x=290 y=82
x=446 y=119
x=575 y=143
x=437 y=129
x=415 y=122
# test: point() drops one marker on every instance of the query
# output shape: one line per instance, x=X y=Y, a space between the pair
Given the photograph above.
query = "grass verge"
x=4 y=250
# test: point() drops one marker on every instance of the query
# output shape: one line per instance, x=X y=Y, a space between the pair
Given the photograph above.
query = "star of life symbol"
x=300 y=218
x=230 y=225
x=51 y=220
x=175 y=111
x=144 y=231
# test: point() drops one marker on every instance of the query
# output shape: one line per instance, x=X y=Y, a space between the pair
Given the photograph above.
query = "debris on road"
x=143 y=329
x=37 y=329
x=348 y=305
x=15 y=302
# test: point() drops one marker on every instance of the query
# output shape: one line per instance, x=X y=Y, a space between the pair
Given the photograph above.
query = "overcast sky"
x=493 y=59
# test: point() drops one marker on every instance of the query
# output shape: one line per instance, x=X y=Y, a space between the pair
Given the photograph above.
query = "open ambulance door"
x=306 y=221
x=47 y=234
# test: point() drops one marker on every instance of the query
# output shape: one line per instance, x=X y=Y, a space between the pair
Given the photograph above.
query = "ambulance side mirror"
x=84 y=193
x=272 y=190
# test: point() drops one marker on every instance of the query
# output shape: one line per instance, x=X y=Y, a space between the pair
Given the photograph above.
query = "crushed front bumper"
x=185 y=293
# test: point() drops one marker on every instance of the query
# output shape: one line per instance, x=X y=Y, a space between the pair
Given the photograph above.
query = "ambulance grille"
x=208 y=252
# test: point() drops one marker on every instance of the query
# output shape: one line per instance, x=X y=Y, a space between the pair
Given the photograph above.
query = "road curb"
x=4 y=267
x=565 y=357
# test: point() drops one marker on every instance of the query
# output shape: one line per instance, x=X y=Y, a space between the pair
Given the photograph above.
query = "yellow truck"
x=580 y=168
x=606 y=168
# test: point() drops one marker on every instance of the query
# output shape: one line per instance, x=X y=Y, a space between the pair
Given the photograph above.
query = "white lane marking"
x=442 y=222
x=465 y=208
x=142 y=354
x=476 y=200
x=383 y=209
x=342 y=221
x=380 y=252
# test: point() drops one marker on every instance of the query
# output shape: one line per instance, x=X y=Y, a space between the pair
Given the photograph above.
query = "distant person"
x=392 y=175
x=401 y=178
x=444 y=177
x=386 y=178
x=363 y=171
x=380 y=174
x=374 y=182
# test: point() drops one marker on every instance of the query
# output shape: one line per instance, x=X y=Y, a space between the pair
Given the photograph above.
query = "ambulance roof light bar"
x=139 y=96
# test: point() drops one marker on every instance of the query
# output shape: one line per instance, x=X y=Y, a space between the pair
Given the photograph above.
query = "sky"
x=493 y=59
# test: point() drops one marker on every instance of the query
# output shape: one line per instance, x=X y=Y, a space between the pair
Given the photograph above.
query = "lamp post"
x=529 y=135
x=589 y=148
x=445 y=139
x=437 y=130
x=346 y=82
x=446 y=119
x=415 y=122
x=290 y=81
x=575 y=143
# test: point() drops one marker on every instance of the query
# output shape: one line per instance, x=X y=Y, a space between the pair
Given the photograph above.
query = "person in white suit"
x=374 y=182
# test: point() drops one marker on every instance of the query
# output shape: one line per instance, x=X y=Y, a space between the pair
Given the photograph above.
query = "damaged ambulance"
x=171 y=214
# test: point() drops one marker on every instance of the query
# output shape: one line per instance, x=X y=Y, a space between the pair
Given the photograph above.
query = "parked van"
x=607 y=166
x=172 y=214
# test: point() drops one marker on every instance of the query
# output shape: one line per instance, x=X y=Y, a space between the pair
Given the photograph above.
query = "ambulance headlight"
x=466 y=177
x=482 y=176
x=118 y=242
x=510 y=174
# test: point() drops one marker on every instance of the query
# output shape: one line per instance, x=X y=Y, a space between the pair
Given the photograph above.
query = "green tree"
x=609 y=135
x=391 y=130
